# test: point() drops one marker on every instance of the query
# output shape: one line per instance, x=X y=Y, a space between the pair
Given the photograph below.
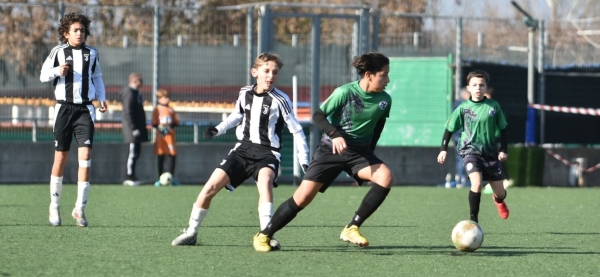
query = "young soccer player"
x=134 y=125
x=259 y=114
x=480 y=118
x=74 y=69
x=164 y=120
x=358 y=111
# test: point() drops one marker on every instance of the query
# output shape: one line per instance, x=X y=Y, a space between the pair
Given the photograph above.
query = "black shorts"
x=246 y=160
x=73 y=119
x=489 y=168
x=326 y=166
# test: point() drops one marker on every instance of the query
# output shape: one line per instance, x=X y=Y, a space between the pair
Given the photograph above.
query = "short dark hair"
x=371 y=61
x=478 y=74
x=68 y=20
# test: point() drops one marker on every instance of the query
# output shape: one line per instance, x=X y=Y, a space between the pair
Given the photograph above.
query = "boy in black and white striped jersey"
x=74 y=69
x=260 y=113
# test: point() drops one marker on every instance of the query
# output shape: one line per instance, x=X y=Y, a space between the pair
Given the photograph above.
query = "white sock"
x=196 y=218
x=55 y=190
x=83 y=190
x=265 y=212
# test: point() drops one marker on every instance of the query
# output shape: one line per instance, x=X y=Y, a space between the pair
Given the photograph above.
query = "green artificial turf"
x=550 y=232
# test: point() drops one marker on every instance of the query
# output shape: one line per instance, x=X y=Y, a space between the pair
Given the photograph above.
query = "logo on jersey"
x=272 y=166
x=55 y=143
x=383 y=105
x=87 y=142
x=69 y=58
x=86 y=56
x=469 y=166
x=265 y=109
x=492 y=112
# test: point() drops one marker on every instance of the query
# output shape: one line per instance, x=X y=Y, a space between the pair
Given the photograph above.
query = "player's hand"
x=103 y=106
x=163 y=129
x=63 y=69
x=338 y=145
x=502 y=156
x=304 y=168
x=210 y=132
x=442 y=157
x=136 y=133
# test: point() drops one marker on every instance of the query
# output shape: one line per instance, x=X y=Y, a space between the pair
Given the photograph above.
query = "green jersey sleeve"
x=336 y=100
x=455 y=121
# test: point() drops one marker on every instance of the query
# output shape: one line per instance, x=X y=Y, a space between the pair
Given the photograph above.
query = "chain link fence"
x=203 y=62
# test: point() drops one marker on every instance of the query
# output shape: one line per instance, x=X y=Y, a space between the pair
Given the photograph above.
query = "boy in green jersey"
x=357 y=113
x=480 y=118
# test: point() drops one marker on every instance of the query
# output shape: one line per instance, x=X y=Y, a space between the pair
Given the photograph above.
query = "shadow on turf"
x=489 y=251
x=441 y=250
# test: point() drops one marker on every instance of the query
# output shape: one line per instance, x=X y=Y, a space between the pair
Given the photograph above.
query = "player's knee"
x=85 y=163
x=385 y=178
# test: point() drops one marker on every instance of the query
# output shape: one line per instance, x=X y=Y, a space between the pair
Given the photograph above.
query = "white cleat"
x=79 y=216
x=54 y=216
x=185 y=239
x=275 y=245
x=131 y=183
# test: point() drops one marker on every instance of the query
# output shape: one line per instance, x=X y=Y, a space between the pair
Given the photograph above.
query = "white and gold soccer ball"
x=467 y=236
x=166 y=179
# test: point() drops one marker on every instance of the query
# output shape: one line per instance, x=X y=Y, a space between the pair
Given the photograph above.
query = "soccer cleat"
x=54 y=216
x=131 y=183
x=79 y=215
x=261 y=242
x=502 y=209
x=274 y=243
x=157 y=183
x=351 y=234
x=185 y=239
x=174 y=182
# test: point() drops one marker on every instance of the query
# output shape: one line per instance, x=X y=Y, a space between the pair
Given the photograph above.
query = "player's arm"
x=441 y=158
x=446 y=140
x=296 y=130
x=155 y=120
x=49 y=72
x=320 y=119
x=234 y=119
x=175 y=117
x=99 y=84
x=504 y=140
x=377 y=133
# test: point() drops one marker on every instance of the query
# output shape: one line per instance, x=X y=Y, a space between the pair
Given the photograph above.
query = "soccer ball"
x=166 y=179
x=467 y=236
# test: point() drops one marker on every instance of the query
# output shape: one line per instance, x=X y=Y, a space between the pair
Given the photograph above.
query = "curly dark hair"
x=68 y=20
x=371 y=61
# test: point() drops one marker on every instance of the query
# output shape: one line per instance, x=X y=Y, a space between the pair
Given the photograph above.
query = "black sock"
x=282 y=216
x=500 y=200
x=170 y=161
x=474 y=200
x=160 y=164
x=369 y=205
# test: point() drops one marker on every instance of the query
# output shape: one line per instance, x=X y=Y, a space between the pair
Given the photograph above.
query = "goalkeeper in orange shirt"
x=164 y=120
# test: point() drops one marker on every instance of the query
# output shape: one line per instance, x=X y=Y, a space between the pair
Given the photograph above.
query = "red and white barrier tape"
x=575 y=110
x=570 y=164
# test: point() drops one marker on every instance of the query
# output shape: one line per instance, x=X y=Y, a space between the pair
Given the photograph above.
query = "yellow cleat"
x=351 y=234
x=261 y=242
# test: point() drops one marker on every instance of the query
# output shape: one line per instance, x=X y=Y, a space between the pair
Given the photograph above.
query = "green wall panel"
x=421 y=90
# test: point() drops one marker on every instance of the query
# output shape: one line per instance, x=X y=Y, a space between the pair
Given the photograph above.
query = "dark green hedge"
x=525 y=165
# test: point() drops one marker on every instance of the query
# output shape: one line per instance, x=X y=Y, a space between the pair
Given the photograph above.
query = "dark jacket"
x=134 y=117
